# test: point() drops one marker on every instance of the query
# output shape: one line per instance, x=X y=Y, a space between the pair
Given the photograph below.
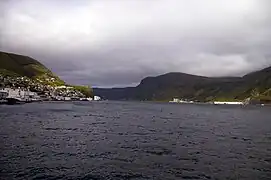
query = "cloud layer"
x=119 y=42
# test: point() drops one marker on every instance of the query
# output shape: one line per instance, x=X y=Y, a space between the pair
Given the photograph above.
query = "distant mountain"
x=117 y=93
x=192 y=87
x=18 y=65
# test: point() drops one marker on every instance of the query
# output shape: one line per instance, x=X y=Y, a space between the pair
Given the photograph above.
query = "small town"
x=247 y=101
x=17 y=90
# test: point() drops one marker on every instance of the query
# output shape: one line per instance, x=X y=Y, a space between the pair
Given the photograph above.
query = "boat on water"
x=18 y=96
x=15 y=100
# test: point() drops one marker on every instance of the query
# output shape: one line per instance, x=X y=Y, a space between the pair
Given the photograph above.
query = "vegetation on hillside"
x=14 y=65
x=86 y=90
x=23 y=66
x=255 y=85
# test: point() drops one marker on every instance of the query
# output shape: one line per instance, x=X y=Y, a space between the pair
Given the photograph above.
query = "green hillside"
x=18 y=65
x=255 y=85
x=14 y=65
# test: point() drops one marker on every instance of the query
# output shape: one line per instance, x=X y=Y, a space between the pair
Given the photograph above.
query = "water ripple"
x=126 y=140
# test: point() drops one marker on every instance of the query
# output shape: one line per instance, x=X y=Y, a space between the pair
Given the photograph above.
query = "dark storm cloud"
x=117 y=43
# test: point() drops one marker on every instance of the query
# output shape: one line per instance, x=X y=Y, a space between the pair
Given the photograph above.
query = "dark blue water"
x=126 y=140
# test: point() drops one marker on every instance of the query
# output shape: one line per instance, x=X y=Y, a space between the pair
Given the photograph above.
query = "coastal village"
x=14 y=90
x=184 y=101
x=247 y=101
x=17 y=90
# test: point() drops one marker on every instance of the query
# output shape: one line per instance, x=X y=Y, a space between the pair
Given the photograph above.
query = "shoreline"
x=4 y=102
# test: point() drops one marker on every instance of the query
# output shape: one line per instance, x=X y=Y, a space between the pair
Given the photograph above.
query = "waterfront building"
x=3 y=94
x=97 y=98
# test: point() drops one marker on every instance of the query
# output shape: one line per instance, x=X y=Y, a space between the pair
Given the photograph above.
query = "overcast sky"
x=111 y=43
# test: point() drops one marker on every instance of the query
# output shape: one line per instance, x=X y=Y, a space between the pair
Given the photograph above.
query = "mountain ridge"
x=193 y=87
x=164 y=87
x=19 y=65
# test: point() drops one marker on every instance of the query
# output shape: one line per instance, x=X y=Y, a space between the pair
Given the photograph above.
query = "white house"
x=97 y=98
x=231 y=103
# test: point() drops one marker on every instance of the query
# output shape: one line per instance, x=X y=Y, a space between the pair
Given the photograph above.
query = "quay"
x=20 y=96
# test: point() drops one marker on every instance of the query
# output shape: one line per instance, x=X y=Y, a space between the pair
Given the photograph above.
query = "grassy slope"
x=21 y=65
x=18 y=65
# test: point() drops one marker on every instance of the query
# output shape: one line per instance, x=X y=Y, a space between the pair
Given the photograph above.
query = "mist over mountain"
x=116 y=43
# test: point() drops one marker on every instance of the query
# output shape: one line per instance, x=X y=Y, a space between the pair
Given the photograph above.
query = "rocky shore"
x=23 y=89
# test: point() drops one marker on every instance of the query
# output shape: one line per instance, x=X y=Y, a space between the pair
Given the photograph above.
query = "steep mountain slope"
x=200 y=88
x=18 y=65
x=182 y=85
x=260 y=79
x=128 y=93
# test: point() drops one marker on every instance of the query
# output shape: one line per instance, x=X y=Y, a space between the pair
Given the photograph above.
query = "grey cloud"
x=117 y=43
